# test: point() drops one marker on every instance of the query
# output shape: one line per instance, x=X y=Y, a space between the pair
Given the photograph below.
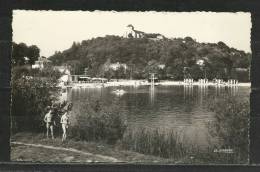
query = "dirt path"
x=105 y=158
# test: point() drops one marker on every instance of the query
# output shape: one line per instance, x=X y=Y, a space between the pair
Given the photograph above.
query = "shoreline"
x=137 y=83
x=75 y=151
x=35 y=147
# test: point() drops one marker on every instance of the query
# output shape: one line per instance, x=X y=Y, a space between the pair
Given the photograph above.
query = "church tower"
x=130 y=31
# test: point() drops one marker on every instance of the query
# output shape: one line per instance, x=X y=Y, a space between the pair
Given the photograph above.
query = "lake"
x=184 y=108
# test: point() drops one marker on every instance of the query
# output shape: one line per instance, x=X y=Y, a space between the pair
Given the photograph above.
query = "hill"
x=169 y=58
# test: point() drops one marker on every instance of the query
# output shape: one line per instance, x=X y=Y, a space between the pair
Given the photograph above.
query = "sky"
x=56 y=30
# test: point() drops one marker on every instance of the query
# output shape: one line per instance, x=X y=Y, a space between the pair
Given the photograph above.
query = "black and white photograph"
x=130 y=87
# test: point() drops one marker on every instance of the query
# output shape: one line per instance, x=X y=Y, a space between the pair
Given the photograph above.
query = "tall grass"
x=231 y=125
x=171 y=144
x=161 y=142
x=96 y=121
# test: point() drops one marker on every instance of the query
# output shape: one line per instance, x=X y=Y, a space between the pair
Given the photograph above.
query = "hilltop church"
x=132 y=33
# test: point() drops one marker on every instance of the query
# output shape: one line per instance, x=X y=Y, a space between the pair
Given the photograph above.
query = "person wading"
x=50 y=122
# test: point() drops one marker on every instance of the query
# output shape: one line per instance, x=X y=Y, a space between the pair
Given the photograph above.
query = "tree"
x=32 y=91
x=21 y=53
x=33 y=53
x=197 y=72
x=231 y=124
x=152 y=67
x=109 y=74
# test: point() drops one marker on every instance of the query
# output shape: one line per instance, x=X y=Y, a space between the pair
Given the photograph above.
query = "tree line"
x=143 y=55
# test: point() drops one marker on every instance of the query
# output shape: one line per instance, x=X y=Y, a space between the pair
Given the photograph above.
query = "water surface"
x=184 y=108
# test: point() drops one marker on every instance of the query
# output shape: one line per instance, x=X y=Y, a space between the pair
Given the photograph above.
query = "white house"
x=161 y=66
x=62 y=69
x=200 y=62
x=116 y=66
x=65 y=74
x=41 y=63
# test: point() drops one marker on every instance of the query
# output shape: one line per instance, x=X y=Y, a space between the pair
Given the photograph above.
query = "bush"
x=32 y=91
x=96 y=121
x=231 y=125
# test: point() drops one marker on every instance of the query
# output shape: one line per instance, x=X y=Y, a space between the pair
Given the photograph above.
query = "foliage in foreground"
x=98 y=122
x=173 y=145
x=231 y=125
x=32 y=91
x=159 y=142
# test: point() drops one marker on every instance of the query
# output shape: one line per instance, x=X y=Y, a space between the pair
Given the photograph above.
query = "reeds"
x=161 y=142
x=98 y=122
x=168 y=143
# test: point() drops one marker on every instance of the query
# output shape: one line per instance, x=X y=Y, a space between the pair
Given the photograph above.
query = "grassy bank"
x=27 y=153
x=145 y=147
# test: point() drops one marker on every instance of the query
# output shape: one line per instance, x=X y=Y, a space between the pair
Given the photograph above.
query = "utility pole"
x=152 y=88
x=152 y=79
x=205 y=76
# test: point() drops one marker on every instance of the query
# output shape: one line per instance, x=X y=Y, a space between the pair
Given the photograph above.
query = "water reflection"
x=188 y=92
x=233 y=90
x=152 y=90
x=202 y=92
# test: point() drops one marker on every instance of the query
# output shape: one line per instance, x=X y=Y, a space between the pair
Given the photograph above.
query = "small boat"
x=119 y=91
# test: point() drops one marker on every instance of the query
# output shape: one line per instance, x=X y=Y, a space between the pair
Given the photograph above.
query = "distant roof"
x=44 y=59
x=60 y=67
x=241 y=69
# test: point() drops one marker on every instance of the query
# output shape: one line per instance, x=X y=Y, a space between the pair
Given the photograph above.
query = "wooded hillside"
x=143 y=55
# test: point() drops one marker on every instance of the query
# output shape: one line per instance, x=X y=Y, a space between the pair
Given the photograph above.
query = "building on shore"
x=41 y=63
x=161 y=66
x=65 y=74
x=85 y=79
x=116 y=66
x=62 y=69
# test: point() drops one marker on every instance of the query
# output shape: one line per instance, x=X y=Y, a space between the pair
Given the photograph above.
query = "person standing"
x=50 y=122
x=64 y=124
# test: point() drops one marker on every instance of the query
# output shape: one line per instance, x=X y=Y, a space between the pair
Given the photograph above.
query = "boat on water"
x=119 y=91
